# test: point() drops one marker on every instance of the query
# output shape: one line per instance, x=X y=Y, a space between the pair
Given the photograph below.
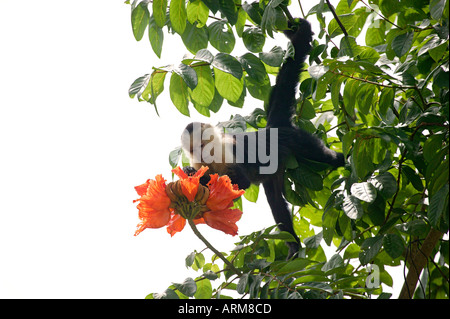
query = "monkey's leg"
x=274 y=193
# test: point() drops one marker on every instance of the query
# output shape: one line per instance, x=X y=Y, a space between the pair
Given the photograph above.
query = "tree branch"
x=418 y=260
x=333 y=11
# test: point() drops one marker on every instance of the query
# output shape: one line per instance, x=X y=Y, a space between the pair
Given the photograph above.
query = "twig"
x=337 y=18
x=219 y=254
x=301 y=9
x=380 y=15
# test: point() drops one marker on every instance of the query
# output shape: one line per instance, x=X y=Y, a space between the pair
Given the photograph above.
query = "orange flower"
x=222 y=192
x=170 y=205
x=154 y=211
x=224 y=220
x=189 y=184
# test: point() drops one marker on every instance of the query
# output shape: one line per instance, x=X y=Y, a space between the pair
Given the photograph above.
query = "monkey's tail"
x=282 y=98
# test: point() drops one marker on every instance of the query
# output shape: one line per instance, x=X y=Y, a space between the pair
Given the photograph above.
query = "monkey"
x=245 y=167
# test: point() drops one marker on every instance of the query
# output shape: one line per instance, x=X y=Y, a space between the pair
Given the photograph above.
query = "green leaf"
x=413 y=177
x=437 y=8
x=228 y=86
x=242 y=284
x=369 y=249
x=156 y=37
x=253 y=39
x=274 y=57
x=159 y=12
x=167 y=294
x=188 y=74
x=294 y=265
x=194 y=38
x=197 y=12
x=229 y=10
x=203 y=94
x=188 y=287
x=438 y=204
x=139 y=20
x=385 y=183
x=330 y=266
x=204 y=289
x=179 y=93
x=228 y=64
x=155 y=86
x=393 y=245
x=178 y=15
x=138 y=84
x=308 y=178
x=364 y=191
x=251 y=193
x=402 y=43
x=352 y=207
x=254 y=67
x=313 y=242
x=221 y=36
x=174 y=158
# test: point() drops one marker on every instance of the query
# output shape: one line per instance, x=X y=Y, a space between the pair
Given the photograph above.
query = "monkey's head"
x=195 y=137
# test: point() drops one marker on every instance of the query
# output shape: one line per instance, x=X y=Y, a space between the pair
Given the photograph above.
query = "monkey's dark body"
x=291 y=140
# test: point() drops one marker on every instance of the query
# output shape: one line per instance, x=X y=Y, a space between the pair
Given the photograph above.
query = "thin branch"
x=301 y=9
x=380 y=15
x=333 y=11
x=218 y=253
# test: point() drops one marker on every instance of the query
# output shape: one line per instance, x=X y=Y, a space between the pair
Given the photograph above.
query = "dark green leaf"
x=228 y=64
x=438 y=203
x=253 y=39
x=402 y=43
x=229 y=10
x=352 y=207
x=254 y=67
x=393 y=244
x=274 y=57
x=194 y=38
x=385 y=183
x=370 y=248
x=188 y=75
x=221 y=36
x=188 y=287
x=156 y=37
x=242 y=284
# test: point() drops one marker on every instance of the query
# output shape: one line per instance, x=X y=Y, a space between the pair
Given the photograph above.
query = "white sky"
x=72 y=147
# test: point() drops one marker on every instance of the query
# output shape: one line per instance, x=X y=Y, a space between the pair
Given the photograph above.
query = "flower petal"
x=152 y=219
x=154 y=211
x=224 y=220
x=221 y=193
x=176 y=224
x=179 y=172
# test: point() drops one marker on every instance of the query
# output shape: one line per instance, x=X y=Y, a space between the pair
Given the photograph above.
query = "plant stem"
x=219 y=254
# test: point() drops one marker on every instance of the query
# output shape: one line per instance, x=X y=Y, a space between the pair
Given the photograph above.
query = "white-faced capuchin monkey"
x=243 y=156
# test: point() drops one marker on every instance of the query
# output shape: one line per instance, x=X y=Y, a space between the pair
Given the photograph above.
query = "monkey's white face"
x=204 y=143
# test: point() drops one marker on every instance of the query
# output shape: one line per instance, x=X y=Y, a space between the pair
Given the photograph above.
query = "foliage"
x=377 y=89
